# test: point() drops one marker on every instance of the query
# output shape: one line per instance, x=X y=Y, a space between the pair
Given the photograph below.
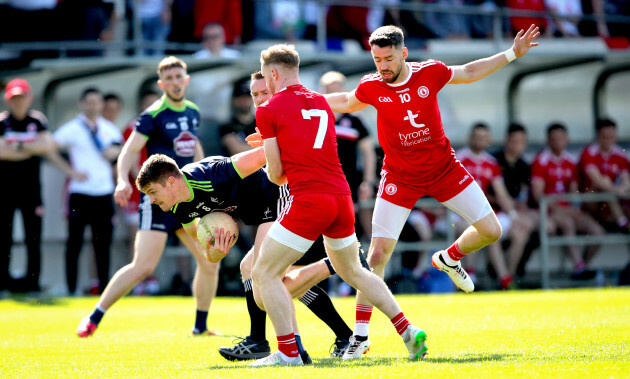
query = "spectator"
x=349 y=22
x=23 y=139
x=130 y=211
x=565 y=8
x=228 y=13
x=554 y=171
x=284 y=19
x=93 y=143
x=213 y=41
x=603 y=27
x=112 y=105
x=516 y=175
x=242 y=123
x=354 y=145
x=182 y=23
x=604 y=167
x=523 y=22
x=155 y=17
x=487 y=172
x=445 y=24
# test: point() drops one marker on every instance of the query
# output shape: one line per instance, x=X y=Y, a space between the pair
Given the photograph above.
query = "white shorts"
x=301 y=244
x=388 y=218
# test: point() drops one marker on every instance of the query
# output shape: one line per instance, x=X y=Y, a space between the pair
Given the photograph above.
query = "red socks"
x=400 y=323
x=455 y=253
x=287 y=345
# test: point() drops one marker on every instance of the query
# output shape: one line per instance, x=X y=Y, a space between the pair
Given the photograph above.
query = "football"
x=206 y=226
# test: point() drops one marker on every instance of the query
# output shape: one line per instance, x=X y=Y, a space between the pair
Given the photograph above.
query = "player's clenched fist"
x=122 y=193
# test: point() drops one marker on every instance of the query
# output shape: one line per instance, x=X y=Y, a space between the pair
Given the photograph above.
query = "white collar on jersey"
x=409 y=72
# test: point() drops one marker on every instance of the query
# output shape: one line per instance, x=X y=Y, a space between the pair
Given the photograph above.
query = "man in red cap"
x=24 y=138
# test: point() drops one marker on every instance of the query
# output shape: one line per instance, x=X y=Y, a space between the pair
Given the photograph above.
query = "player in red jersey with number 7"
x=419 y=160
x=297 y=128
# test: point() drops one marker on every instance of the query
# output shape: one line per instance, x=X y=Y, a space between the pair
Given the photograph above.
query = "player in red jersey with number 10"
x=419 y=160
x=297 y=128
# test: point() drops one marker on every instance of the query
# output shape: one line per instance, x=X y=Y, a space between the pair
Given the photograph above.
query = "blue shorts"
x=154 y=218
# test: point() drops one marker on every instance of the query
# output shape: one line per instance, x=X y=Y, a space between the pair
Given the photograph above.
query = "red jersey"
x=409 y=123
x=557 y=172
x=303 y=124
x=610 y=164
x=483 y=167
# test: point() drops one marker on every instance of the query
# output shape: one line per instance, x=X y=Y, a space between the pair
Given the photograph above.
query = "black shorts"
x=261 y=201
x=154 y=218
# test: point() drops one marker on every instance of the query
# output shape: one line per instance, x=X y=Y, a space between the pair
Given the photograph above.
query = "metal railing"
x=547 y=241
x=498 y=15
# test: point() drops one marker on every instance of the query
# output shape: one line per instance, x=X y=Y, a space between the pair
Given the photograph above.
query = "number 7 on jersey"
x=323 y=124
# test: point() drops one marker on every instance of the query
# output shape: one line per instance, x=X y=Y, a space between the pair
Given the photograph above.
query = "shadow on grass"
x=36 y=299
x=388 y=361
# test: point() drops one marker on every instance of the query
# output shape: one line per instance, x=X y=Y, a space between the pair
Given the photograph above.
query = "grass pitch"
x=564 y=333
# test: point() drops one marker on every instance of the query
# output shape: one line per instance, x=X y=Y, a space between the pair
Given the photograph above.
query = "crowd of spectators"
x=237 y=22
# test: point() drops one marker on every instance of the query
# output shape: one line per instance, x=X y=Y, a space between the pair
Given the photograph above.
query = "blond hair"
x=170 y=62
x=281 y=54
x=332 y=77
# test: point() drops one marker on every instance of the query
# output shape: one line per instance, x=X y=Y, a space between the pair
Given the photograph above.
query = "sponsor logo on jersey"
x=464 y=179
x=184 y=144
x=183 y=123
x=411 y=117
x=391 y=189
x=171 y=125
x=267 y=214
x=385 y=99
x=403 y=90
x=423 y=92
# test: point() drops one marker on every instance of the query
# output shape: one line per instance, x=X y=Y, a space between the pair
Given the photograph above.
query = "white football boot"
x=458 y=275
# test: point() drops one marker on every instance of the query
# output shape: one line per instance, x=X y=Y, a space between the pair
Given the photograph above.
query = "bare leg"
x=300 y=279
x=379 y=254
x=149 y=246
x=206 y=275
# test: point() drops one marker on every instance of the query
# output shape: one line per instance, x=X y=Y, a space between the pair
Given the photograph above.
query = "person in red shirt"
x=554 y=171
x=297 y=127
x=604 y=167
x=487 y=173
x=419 y=159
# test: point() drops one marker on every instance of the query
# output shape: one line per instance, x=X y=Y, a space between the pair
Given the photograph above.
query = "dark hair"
x=241 y=88
x=256 y=76
x=149 y=92
x=157 y=169
x=604 y=123
x=515 y=128
x=89 y=91
x=112 y=96
x=479 y=125
x=556 y=126
x=388 y=35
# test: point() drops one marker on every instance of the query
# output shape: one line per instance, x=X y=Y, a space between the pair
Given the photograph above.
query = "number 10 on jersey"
x=323 y=124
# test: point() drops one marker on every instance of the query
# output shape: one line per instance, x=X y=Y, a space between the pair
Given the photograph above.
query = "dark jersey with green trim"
x=216 y=186
x=170 y=131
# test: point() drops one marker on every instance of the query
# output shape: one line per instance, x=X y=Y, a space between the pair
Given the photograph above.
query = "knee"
x=142 y=270
x=259 y=275
x=379 y=257
x=492 y=232
x=246 y=265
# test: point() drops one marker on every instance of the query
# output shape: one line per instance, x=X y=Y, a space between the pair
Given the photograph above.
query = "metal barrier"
x=547 y=241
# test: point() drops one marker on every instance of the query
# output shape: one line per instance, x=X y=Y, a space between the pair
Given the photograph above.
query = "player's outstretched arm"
x=344 y=102
x=479 y=69
x=127 y=157
x=248 y=162
x=275 y=172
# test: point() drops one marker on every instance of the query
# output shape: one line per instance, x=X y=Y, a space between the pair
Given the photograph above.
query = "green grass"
x=566 y=333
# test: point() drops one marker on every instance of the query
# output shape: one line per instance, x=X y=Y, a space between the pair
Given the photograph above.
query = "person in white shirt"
x=92 y=143
x=213 y=42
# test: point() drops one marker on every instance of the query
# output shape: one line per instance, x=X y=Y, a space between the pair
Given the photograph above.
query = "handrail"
x=498 y=14
x=546 y=241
